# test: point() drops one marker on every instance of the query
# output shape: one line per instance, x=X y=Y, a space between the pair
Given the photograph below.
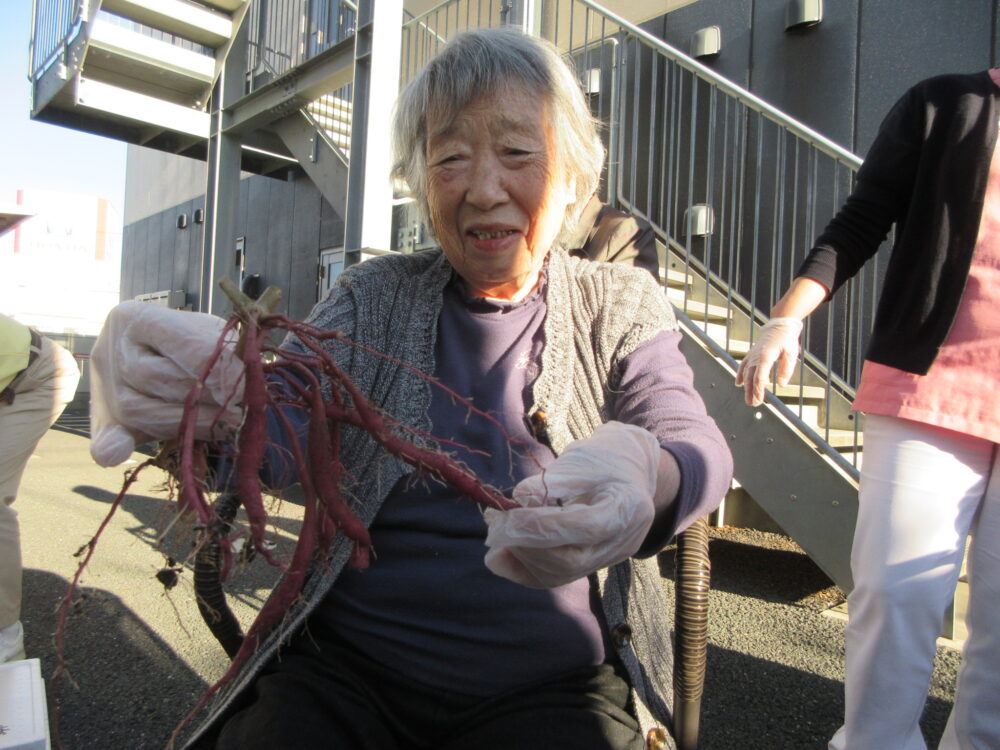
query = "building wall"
x=840 y=76
x=59 y=268
x=283 y=224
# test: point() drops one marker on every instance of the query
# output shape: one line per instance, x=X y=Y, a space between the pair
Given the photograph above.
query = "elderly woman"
x=560 y=637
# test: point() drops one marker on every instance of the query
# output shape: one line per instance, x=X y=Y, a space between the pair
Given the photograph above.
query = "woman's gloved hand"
x=143 y=365
x=591 y=508
x=778 y=342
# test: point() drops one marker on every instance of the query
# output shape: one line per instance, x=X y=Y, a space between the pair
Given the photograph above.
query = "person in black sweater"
x=930 y=478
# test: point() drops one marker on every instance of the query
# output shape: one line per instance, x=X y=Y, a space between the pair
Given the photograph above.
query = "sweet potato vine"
x=280 y=381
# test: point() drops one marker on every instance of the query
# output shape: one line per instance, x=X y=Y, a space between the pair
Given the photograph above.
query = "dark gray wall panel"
x=733 y=19
x=125 y=271
x=244 y=207
x=304 y=248
x=277 y=265
x=170 y=237
x=810 y=74
x=151 y=249
x=157 y=179
x=191 y=278
x=281 y=221
x=182 y=249
x=256 y=226
x=902 y=46
x=995 y=56
x=331 y=229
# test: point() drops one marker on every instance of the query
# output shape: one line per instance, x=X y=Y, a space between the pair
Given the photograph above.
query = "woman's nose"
x=487 y=184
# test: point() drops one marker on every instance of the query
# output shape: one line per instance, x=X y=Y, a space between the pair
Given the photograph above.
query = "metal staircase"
x=735 y=189
x=146 y=71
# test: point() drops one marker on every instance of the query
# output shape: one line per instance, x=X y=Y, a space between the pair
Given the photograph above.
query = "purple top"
x=427 y=605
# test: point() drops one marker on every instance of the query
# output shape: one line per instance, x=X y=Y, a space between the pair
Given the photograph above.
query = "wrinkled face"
x=497 y=195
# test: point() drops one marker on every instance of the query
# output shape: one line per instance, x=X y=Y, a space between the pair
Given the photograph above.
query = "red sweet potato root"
x=276 y=380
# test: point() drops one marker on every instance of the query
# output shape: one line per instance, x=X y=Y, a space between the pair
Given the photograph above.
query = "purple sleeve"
x=656 y=392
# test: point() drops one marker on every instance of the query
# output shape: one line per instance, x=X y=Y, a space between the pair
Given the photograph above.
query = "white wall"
x=60 y=270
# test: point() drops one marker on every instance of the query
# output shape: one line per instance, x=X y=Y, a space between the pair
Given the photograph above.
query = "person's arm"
x=625 y=491
x=778 y=340
x=656 y=392
x=802 y=298
x=879 y=199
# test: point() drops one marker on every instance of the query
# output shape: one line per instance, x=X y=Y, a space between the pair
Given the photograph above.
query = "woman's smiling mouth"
x=481 y=235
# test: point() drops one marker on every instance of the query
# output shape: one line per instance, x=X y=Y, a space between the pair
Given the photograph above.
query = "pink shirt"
x=960 y=391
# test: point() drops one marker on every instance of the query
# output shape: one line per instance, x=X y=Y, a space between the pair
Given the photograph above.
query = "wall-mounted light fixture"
x=706 y=42
x=182 y=221
x=199 y=216
x=700 y=219
x=592 y=81
x=802 y=14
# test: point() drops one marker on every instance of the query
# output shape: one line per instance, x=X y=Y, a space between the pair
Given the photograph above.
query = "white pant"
x=39 y=399
x=923 y=491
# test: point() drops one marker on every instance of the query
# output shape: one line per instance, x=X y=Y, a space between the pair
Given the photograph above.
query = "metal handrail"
x=746 y=97
x=54 y=26
x=785 y=179
x=286 y=33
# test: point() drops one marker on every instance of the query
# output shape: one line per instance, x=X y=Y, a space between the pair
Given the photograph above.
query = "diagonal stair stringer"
x=814 y=501
x=318 y=159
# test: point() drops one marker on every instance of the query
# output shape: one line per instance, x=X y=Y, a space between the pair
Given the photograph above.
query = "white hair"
x=484 y=62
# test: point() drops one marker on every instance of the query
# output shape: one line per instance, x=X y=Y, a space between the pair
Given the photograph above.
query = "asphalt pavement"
x=138 y=657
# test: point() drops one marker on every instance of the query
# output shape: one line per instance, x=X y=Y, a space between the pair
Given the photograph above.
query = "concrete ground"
x=139 y=658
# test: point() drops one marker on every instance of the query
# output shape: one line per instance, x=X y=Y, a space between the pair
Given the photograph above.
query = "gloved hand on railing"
x=778 y=342
x=143 y=365
x=590 y=508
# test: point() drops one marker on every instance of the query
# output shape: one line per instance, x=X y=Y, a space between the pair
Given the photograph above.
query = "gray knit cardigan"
x=597 y=314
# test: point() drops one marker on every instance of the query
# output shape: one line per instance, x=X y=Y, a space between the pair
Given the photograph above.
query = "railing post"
x=222 y=192
x=368 y=223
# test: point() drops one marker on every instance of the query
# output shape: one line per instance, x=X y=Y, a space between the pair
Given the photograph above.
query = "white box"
x=24 y=721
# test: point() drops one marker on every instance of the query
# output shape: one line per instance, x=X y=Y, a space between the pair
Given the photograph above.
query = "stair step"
x=840 y=439
x=178 y=17
x=331 y=117
x=227 y=6
x=675 y=278
x=343 y=142
x=792 y=393
x=717 y=332
x=844 y=438
x=808 y=413
x=335 y=105
x=696 y=310
x=134 y=108
x=134 y=61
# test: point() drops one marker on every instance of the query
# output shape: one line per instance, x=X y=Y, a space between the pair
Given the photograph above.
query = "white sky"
x=39 y=155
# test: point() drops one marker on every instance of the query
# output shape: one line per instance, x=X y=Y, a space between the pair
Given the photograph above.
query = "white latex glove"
x=143 y=364
x=591 y=508
x=778 y=342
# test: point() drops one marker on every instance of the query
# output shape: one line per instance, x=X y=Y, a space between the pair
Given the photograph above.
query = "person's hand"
x=778 y=342
x=143 y=365
x=590 y=508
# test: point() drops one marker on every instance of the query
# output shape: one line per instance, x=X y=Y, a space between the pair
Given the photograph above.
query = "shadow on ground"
x=157 y=527
x=131 y=687
x=757 y=703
